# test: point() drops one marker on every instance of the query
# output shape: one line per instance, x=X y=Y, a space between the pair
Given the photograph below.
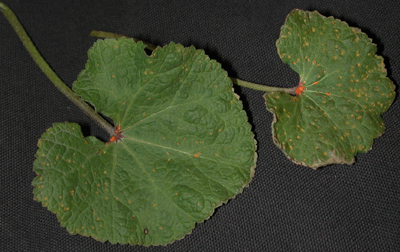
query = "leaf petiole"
x=46 y=69
x=103 y=34
x=262 y=87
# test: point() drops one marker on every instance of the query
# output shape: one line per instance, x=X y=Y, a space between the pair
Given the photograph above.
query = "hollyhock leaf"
x=342 y=91
x=184 y=146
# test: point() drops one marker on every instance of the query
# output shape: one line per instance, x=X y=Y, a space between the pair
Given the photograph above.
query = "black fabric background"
x=286 y=208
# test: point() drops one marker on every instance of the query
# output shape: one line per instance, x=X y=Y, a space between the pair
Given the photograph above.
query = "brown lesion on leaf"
x=334 y=158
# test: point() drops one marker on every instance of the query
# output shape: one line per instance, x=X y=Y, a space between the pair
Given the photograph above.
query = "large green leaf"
x=342 y=92
x=186 y=147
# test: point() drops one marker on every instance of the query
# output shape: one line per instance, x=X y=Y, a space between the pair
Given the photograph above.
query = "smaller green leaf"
x=342 y=92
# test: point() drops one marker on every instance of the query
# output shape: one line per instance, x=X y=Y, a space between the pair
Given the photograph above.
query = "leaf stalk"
x=264 y=88
x=46 y=69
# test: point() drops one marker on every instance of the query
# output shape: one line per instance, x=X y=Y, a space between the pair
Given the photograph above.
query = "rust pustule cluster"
x=117 y=136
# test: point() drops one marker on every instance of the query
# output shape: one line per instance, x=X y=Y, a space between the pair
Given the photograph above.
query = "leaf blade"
x=345 y=90
x=185 y=151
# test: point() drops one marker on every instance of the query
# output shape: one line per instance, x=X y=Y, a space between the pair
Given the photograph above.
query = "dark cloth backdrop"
x=286 y=208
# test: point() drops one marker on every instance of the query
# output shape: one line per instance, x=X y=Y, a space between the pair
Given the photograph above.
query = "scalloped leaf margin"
x=342 y=91
x=187 y=146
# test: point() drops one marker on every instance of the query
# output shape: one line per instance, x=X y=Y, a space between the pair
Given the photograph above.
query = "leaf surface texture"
x=186 y=148
x=342 y=92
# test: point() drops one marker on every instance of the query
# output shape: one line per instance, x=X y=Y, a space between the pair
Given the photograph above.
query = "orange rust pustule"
x=300 y=88
x=112 y=139
x=118 y=135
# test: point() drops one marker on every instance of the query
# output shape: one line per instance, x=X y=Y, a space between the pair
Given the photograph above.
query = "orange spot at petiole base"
x=300 y=88
x=112 y=139
x=118 y=135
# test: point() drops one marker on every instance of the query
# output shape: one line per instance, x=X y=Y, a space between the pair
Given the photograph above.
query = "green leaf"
x=184 y=146
x=342 y=92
